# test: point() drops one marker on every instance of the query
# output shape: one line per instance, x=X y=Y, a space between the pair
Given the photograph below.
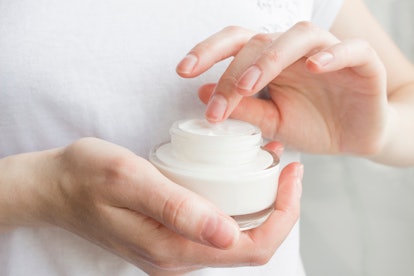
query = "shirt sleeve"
x=325 y=11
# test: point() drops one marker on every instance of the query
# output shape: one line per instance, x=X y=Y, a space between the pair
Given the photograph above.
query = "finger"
x=255 y=246
x=274 y=55
x=217 y=47
x=144 y=242
x=219 y=102
x=191 y=216
x=253 y=110
x=354 y=53
x=275 y=147
x=177 y=208
x=258 y=245
x=287 y=208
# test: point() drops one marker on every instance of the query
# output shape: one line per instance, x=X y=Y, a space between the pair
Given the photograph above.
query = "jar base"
x=250 y=221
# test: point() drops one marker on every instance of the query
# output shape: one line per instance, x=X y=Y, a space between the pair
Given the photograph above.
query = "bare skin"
x=348 y=91
x=345 y=91
x=119 y=201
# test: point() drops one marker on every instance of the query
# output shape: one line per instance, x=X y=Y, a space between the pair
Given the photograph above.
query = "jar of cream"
x=225 y=164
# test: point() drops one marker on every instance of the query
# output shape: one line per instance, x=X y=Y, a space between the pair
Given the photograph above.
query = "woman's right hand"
x=119 y=201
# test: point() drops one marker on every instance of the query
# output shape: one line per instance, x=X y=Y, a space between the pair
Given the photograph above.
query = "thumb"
x=185 y=212
x=287 y=207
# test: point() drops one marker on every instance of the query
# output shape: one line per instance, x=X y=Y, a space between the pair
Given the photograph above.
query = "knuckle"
x=240 y=34
x=366 y=46
x=262 y=38
x=229 y=80
x=361 y=42
x=272 y=55
x=118 y=168
x=174 y=212
x=232 y=29
x=305 y=26
x=265 y=41
x=310 y=31
x=79 y=146
x=349 y=46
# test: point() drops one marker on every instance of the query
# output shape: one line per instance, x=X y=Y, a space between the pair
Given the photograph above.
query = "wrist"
x=24 y=189
x=397 y=148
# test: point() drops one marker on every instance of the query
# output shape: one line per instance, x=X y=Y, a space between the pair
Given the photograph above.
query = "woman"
x=105 y=69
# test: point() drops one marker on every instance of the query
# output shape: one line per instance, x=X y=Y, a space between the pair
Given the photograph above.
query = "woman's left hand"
x=325 y=95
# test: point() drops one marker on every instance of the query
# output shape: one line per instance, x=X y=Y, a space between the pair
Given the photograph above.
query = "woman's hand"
x=324 y=95
x=119 y=201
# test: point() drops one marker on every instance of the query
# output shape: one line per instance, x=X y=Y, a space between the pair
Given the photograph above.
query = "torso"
x=70 y=69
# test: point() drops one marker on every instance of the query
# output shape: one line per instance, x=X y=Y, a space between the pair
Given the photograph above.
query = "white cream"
x=226 y=128
x=223 y=163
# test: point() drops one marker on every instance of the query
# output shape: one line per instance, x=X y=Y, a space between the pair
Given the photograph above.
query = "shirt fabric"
x=70 y=69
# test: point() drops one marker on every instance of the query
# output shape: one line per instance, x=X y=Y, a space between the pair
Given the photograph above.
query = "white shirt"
x=106 y=68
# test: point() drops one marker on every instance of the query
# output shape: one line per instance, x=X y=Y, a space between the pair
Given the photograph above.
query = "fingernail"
x=216 y=108
x=322 y=58
x=299 y=176
x=279 y=151
x=220 y=232
x=187 y=64
x=299 y=171
x=249 y=78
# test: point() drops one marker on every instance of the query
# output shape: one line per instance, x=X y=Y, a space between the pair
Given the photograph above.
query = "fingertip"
x=290 y=185
x=292 y=171
x=287 y=205
x=216 y=108
x=220 y=232
x=275 y=147
x=299 y=171
x=319 y=61
x=186 y=66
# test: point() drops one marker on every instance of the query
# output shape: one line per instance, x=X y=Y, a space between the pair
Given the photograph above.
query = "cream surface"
x=226 y=128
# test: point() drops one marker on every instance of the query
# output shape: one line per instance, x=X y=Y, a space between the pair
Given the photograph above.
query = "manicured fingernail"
x=187 y=64
x=279 y=151
x=299 y=171
x=322 y=58
x=216 y=108
x=220 y=232
x=299 y=176
x=249 y=78
x=298 y=184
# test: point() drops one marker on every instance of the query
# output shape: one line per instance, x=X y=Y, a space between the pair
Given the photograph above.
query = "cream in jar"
x=225 y=164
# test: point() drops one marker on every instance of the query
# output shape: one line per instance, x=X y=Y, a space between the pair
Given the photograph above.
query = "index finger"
x=221 y=45
x=260 y=61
